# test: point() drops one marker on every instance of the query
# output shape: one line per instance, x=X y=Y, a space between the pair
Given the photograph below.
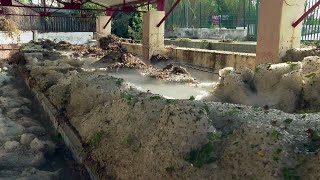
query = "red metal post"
x=295 y=24
x=168 y=13
x=108 y=22
x=161 y=5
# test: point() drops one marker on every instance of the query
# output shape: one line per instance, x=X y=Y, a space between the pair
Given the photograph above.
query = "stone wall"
x=205 y=33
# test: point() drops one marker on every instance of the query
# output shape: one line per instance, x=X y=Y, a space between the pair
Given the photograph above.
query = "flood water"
x=206 y=78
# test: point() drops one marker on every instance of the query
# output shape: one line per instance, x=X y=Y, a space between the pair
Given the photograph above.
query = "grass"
x=156 y=97
x=201 y=156
x=96 y=139
x=170 y=169
x=206 y=108
x=9 y=26
x=119 y=82
x=290 y=174
x=192 y=98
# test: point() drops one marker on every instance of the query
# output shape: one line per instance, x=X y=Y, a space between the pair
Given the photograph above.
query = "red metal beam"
x=295 y=24
x=168 y=13
x=104 y=27
x=41 y=7
x=161 y=5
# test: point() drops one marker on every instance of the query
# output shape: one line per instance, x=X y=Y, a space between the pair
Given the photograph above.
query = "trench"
x=30 y=147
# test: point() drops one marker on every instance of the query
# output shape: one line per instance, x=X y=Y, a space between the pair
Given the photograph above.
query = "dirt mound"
x=295 y=55
x=110 y=42
x=184 y=139
x=158 y=58
x=291 y=86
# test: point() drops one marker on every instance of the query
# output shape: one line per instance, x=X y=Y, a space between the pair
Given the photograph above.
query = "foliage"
x=9 y=26
x=120 y=24
x=96 y=139
x=200 y=156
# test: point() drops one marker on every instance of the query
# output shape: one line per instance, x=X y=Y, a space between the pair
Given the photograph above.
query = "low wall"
x=206 y=33
x=201 y=57
x=27 y=36
x=243 y=47
x=6 y=50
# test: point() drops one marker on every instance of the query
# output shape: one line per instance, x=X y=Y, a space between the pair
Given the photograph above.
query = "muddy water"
x=30 y=149
x=168 y=90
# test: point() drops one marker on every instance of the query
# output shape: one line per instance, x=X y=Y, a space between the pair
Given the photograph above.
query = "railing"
x=311 y=23
x=56 y=24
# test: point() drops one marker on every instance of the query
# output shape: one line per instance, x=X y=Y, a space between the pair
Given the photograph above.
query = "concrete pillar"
x=35 y=35
x=153 y=36
x=275 y=32
x=101 y=21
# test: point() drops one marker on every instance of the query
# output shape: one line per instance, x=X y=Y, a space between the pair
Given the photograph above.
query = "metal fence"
x=311 y=24
x=215 y=14
x=56 y=24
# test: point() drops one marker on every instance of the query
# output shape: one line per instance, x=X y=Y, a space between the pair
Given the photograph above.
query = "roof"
x=110 y=3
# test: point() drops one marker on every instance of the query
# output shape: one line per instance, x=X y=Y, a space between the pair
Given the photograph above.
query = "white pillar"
x=35 y=35
x=101 y=21
x=153 y=36
x=275 y=33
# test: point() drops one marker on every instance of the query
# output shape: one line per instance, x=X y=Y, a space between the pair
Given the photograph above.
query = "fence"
x=311 y=24
x=215 y=14
x=55 y=24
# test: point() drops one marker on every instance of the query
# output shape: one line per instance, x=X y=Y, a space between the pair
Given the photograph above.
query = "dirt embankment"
x=291 y=86
x=129 y=134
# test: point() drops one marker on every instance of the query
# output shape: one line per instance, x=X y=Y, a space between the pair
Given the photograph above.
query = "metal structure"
x=51 y=8
x=311 y=21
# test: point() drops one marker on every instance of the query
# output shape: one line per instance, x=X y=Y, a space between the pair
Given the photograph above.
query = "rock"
x=37 y=130
x=43 y=146
x=27 y=122
x=27 y=138
x=10 y=146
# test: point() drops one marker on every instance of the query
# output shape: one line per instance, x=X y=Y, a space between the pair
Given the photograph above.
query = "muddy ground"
x=129 y=134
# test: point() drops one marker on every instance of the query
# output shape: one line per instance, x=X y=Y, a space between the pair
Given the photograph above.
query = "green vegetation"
x=8 y=26
x=200 y=156
x=288 y=121
x=95 y=140
x=292 y=65
x=206 y=107
x=192 y=98
x=170 y=169
x=119 y=82
x=203 y=155
x=156 y=97
x=290 y=174
x=275 y=135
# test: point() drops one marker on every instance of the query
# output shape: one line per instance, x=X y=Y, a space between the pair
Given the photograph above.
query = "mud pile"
x=295 y=55
x=130 y=134
x=291 y=87
x=78 y=50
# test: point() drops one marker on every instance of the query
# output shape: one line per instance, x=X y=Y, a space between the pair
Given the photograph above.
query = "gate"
x=253 y=17
x=311 y=24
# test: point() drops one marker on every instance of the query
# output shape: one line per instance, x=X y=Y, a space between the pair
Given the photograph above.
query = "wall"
x=201 y=57
x=222 y=46
x=26 y=36
x=205 y=33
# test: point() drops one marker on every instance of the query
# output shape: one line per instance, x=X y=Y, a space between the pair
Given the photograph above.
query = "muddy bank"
x=291 y=86
x=129 y=134
x=29 y=146
x=295 y=55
